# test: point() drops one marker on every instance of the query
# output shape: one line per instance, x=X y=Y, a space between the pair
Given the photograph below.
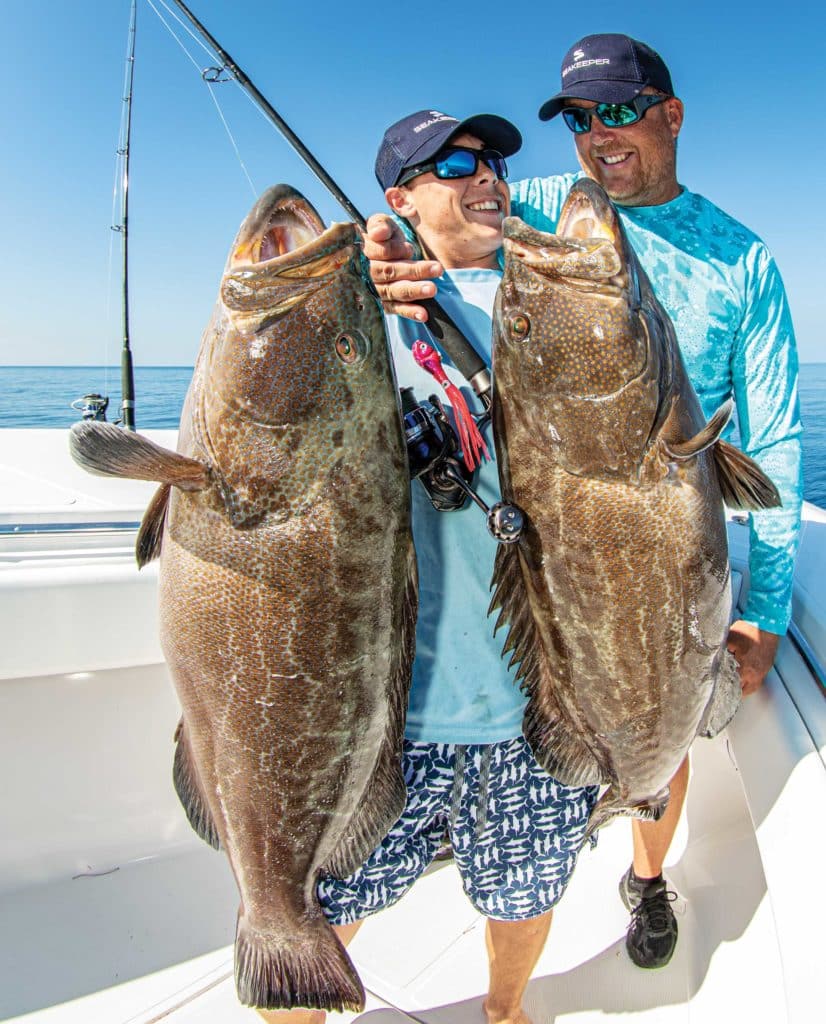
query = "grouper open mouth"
x=587 y=214
x=284 y=230
x=282 y=254
x=588 y=249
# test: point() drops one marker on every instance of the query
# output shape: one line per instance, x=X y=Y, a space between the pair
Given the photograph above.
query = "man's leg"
x=653 y=838
x=652 y=934
x=345 y=932
x=513 y=950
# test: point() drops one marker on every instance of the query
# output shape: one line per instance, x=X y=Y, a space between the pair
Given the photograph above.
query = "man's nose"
x=599 y=132
x=483 y=173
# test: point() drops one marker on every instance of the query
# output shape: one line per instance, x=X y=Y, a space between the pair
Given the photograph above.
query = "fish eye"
x=351 y=346
x=520 y=328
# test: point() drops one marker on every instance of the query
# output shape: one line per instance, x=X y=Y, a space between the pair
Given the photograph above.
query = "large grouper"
x=618 y=594
x=288 y=587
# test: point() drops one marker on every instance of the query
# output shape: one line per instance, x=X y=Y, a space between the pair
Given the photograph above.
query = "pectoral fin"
x=743 y=483
x=709 y=435
x=106 y=450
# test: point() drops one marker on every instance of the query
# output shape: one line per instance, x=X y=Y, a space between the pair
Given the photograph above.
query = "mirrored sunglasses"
x=458 y=162
x=612 y=115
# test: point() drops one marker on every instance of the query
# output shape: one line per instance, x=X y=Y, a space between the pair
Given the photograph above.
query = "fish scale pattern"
x=515 y=833
x=724 y=294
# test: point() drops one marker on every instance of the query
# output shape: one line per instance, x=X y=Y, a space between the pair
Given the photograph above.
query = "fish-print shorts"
x=515 y=833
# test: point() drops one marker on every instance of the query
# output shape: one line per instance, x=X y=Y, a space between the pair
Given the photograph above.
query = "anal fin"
x=190 y=791
x=611 y=804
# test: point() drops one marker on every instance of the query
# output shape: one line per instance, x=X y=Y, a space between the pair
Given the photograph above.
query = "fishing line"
x=207 y=81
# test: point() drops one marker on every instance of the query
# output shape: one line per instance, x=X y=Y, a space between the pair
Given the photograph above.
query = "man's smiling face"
x=636 y=165
x=458 y=219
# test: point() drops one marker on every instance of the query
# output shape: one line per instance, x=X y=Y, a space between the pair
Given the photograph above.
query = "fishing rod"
x=127 y=376
x=464 y=356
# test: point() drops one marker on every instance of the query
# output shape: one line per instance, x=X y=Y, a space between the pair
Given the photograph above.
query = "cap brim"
x=597 y=92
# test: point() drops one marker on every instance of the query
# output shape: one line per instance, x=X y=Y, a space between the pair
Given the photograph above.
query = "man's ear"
x=675 y=113
x=400 y=201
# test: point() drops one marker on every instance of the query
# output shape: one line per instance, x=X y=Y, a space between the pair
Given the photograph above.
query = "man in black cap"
x=722 y=290
x=514 y=831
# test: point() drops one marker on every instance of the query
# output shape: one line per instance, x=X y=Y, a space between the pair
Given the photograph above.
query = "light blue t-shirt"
x=462 y=690
x=723 y=292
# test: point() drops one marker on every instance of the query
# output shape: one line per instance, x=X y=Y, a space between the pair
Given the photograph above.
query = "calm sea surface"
x=41 y=396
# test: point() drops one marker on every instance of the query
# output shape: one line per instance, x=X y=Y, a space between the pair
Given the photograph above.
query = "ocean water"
x=41 y=396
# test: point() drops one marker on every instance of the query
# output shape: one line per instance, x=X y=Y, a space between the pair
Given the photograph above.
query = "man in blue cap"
x=723 y=292
x=514 y=831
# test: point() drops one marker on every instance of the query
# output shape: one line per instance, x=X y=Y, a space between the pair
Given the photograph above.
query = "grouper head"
x=294 y=359
x=580 y=335
x=297 y=310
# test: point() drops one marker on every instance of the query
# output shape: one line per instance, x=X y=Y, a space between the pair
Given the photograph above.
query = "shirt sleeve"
x=765 y=378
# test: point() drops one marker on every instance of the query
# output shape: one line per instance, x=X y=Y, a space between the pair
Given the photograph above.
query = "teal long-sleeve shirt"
x=723 y=292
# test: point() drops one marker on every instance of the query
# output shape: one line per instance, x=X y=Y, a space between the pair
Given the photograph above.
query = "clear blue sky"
x=751 y=75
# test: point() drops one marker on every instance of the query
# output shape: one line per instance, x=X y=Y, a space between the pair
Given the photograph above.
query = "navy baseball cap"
x=419 y=136
x=608 y=68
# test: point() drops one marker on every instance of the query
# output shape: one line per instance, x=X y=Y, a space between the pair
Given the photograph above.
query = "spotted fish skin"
x=287 y=589
x=617 y=597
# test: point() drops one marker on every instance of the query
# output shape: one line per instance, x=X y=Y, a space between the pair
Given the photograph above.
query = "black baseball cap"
x=419 y=136
x=608 y=68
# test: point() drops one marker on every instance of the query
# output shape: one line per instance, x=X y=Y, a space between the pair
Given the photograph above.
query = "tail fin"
x=315 y=972
x=610 y=804
x=725 y=697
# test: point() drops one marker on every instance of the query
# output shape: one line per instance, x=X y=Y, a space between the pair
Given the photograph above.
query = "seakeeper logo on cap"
x=623 y=69
x=584 y=63
x=437 y=116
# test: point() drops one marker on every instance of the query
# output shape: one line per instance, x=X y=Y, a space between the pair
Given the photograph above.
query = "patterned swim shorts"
x=515 y=833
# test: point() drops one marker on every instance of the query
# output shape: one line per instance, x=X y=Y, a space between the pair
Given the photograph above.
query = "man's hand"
x=399 y=280
x=754 y=650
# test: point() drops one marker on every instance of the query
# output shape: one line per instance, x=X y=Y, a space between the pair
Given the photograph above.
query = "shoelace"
x=654 y=911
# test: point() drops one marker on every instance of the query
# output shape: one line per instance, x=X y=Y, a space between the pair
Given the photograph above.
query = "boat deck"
x=150 y=940
x=113 y=912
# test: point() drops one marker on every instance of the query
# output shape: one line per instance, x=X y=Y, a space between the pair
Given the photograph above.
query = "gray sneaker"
x=652 y=933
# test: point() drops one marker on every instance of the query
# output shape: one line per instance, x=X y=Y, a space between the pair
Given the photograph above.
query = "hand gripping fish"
x=287 y=588
x=618 y=594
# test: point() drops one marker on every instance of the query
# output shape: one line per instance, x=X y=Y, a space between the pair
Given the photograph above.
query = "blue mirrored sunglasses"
x=458 y=162
x=612 y=115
